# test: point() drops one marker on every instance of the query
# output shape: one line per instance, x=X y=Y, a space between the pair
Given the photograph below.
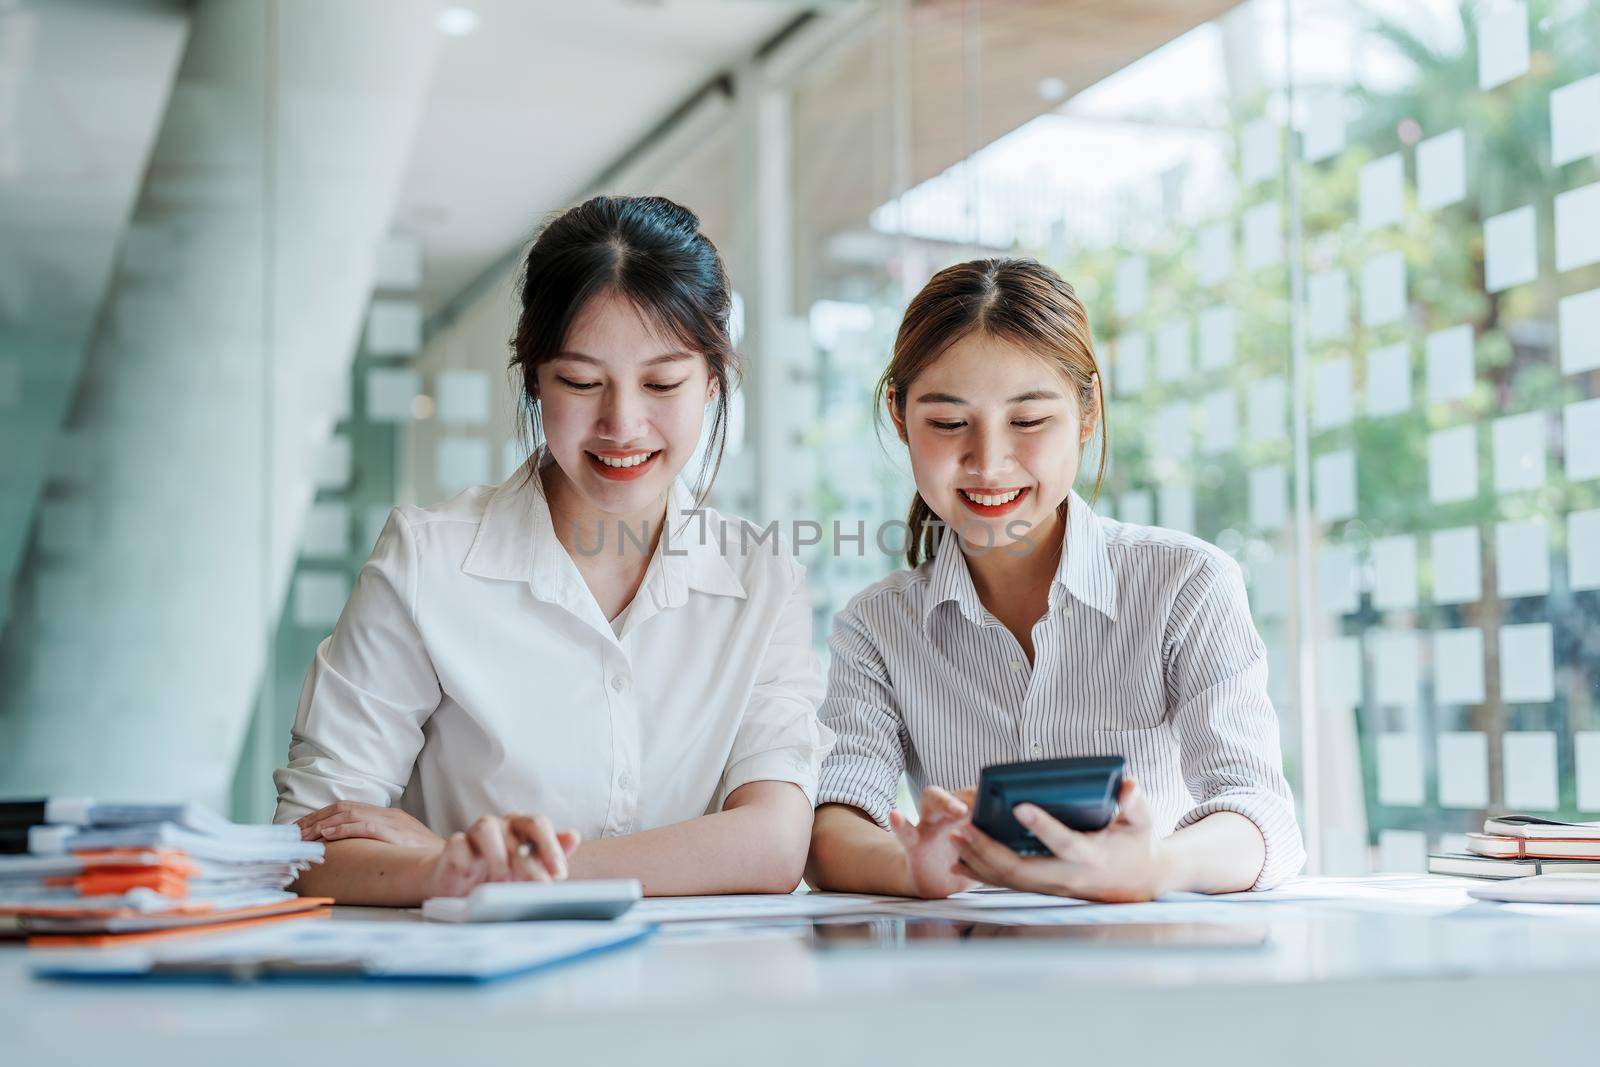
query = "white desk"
x=1337 y=984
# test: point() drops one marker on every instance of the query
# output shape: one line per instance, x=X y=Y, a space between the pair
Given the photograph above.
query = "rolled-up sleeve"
x=370 y=689
x=779 y=738
x=869 y=756
x=1227 y=728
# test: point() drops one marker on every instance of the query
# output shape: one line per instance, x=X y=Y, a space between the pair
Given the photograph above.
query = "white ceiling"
x=528 y=109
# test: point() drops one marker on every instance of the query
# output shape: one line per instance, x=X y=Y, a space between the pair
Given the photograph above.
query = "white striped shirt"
x=1147 y=651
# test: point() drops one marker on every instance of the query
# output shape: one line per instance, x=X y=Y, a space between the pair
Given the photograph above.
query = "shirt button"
x=624 y=781
x=618 y=682
x=1037 y=748
x=1016 y=664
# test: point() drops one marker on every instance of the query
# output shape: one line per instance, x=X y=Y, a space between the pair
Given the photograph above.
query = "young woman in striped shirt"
x=1028 y=627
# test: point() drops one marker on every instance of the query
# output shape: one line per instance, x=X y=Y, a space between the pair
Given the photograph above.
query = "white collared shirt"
x=1146 y=651
x=472 y=672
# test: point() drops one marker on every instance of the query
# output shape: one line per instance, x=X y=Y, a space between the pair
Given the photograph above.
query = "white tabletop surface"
x=1375 y=979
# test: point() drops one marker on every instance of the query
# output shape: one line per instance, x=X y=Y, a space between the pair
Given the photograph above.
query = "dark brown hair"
x=648 y=250
x=1014 y=299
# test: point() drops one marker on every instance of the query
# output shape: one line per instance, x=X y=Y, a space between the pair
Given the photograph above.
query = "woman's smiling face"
x=622 y=407
x=995 y=438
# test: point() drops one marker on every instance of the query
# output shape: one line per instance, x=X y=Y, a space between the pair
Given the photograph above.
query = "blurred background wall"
x=257 y=266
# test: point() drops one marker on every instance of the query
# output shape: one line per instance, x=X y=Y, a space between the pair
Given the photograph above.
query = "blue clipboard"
x=335 y=951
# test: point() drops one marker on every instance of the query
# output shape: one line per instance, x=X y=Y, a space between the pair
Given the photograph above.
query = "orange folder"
x=304 y=908
x=116 y=940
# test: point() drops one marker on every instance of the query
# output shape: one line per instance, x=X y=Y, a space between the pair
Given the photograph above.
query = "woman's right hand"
x=509 y=848
x=931 y=850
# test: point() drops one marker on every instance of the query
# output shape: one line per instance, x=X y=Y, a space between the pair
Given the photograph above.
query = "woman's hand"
x=511 y=848
x=1124 y=862
x=349 y=818
x=930 y=844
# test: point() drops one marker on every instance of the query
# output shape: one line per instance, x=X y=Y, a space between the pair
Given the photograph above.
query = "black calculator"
x=1078 y=791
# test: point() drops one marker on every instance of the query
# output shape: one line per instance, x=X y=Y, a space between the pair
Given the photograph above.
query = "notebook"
x=343 y=950
x=1469 y=865
x=1539 y=847
x=1530 y=826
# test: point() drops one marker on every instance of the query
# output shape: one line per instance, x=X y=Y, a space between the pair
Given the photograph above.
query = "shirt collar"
x=517 y=541
x=1085 y=569
x=949 y=580
x=1084 y=572
x=691 y=549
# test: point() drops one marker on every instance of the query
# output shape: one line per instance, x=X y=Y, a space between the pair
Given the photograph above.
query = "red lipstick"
x=993 y=511
x=623 y=474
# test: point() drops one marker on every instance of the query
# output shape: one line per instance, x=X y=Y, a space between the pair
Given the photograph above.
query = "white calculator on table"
x=498 y=902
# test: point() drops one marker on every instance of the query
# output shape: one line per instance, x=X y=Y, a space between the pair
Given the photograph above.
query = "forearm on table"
x=360 y=871
x=755 y=847
x=852 y=854
x=1222 y=853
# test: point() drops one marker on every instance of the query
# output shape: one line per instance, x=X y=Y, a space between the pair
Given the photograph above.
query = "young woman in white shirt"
x=578 y=672
x=1030 y=628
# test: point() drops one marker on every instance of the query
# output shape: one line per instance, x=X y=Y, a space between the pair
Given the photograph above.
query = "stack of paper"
x=77 y=869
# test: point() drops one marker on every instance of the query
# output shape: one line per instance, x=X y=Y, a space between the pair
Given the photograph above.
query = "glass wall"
x=1342 y=267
